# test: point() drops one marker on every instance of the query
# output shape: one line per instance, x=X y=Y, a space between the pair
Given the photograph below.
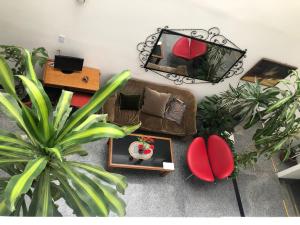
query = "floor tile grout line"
x=285 y=208
x=238 y=197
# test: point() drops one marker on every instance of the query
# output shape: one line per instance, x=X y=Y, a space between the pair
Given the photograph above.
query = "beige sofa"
x=149 y=122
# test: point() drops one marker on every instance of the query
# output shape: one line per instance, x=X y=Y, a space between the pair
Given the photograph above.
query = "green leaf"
x=6 y=78
x=56 y=191
x=4 y=211
x=5 y=150
x=12 y=139
x=115 y=203
x=73 y=200
x=54 y=152
x=96 y=132
x=252 y=120
x=75 y=150
x=111 y=178
x=92 y=119
x=63 y=106
x=20 y=184
x=10 y=108
x=41 y=204
x=4 y=161
x=30 y=73
x=278 y=104
x=42 y=104
x=88 y=191
x=20 y=205
x=95 y=102
x=31 y=122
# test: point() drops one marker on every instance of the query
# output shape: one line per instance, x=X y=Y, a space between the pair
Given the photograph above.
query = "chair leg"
x=191 y=175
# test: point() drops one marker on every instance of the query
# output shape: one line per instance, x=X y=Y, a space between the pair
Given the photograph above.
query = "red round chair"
x=220 y=157
x=189 y=48
x=215 y=161
x=197 y=160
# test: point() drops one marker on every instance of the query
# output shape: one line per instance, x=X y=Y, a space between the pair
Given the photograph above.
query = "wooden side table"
x=87 y=80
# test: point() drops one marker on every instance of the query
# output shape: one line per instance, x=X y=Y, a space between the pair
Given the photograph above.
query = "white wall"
x=106 y=32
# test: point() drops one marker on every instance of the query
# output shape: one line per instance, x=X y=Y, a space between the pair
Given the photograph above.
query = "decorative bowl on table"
x=142 y=149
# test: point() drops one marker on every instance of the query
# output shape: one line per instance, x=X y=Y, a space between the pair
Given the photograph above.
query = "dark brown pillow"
x=130 y=102
x=155 y=102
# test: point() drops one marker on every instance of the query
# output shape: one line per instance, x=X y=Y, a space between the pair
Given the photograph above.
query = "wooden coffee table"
x=161 y=159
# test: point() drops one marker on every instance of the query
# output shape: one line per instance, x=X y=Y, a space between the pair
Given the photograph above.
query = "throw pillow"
x=130 y=102
x=175 y=110
x=155 y=102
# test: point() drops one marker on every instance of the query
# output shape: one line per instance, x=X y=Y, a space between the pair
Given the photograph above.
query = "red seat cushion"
x=189 y=48
x=197 y=160
x=80 y=99
x=220 y=157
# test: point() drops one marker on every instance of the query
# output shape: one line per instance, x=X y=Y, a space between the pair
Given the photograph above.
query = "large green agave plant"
x=38 y=173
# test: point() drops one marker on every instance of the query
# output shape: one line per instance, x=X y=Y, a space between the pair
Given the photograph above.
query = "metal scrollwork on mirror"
x=211 y=35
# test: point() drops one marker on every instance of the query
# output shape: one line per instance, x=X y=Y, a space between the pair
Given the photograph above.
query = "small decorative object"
x=85 y=79
x=142 y=149
x=268 y=72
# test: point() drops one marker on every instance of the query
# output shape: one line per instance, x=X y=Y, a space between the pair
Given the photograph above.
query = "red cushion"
x=189 y=49
x=80 y=99
x=220 y=157
x=197 y=160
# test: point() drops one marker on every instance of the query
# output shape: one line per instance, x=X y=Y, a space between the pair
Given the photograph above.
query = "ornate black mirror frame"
x=212 y=35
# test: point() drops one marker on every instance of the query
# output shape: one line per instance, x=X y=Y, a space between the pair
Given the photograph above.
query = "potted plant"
x=275 y=111
x=36 y=162
x=15 y=56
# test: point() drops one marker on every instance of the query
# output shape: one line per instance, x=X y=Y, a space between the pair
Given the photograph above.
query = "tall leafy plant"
x=36 y=164
x=273 y=110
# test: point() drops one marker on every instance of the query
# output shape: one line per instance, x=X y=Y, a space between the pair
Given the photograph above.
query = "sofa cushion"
x=175 y=110
x=126 y=117
x=150 y=122
x=177 y=129
x=130 y=102
x=155 y=102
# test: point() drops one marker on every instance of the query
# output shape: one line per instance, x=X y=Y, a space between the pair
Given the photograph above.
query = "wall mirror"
x=188 y=56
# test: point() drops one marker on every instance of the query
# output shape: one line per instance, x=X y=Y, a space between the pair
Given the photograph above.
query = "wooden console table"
x=87 y=80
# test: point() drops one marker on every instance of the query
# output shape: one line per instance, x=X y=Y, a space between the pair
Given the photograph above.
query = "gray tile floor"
x=260 y=189
x=149 y=194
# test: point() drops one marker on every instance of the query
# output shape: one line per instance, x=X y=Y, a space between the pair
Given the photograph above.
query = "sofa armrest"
x=190 y=116
x=109 y=107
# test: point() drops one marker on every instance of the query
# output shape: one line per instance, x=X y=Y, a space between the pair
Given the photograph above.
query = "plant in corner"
x=273 y=110
x=35 y=162
x=15 y=56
